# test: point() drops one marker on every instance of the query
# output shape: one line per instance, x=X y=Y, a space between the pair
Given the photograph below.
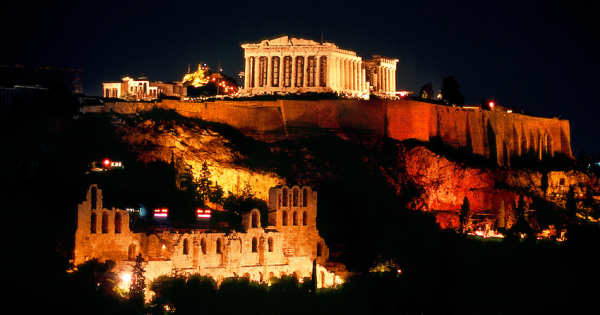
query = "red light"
x=106 y=162
x=492 y=104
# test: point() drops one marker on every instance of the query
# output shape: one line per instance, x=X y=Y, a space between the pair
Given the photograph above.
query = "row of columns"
x=339 y=73
x=386 y=79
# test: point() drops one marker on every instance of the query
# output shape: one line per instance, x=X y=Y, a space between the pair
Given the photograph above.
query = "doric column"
x=305 y=71
x=256 y=65
x=247 y=74
x=269 y=71
x=318 y=71
x=293 y=79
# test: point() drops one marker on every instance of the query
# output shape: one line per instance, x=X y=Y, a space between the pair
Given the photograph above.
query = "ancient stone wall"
x=258 y=253
x=496 y=135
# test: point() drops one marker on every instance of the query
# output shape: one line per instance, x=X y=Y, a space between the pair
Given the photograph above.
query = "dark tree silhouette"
x=451 y=91
x=465 y=216
x=427 y=91
x=138 y=280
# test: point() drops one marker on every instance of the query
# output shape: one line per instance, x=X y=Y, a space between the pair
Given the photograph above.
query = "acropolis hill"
x=495 y=135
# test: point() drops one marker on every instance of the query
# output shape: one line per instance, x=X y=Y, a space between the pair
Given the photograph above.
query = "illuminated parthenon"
x=295 y=65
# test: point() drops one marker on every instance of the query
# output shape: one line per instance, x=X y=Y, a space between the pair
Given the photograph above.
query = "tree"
x=138 y=280
x=465 y=216
x=521 y=226
x=427 y=91
x=451 y=94
x=204 y=183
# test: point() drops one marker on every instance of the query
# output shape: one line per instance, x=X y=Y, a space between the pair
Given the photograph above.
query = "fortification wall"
x=493 y=134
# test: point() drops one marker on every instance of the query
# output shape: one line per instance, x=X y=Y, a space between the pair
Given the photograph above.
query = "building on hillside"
x=288 y=245
x=141 y=89
x=295 y=65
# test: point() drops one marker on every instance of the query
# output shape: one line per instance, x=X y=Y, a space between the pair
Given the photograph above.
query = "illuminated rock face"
x=496 y=135
x=296 y=65
x=287 y=246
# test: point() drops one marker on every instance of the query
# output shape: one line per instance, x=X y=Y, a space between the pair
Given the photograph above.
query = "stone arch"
x=203 y=245
x=295 y=193
x=284 y=217
x=304 y=218
x=132 y=252
x=186 y=247
x=104 y=222
x=260 y=277
x=255 y=219
x=118 y=223
x=284 y=193
x=219 y=245
x=93 y=223
x=254 y=245
x=305 y=197
x=247 y=275
x=295 y=218
x=94 y=197
x=270 y=244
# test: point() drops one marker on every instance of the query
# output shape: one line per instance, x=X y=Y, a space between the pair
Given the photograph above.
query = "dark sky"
x=541 y=56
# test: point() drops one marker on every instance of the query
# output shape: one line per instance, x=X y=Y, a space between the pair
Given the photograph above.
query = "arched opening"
x=94 y=198
x=93 y=223
x=254 y=245
x=295 y=197
x=284 y=218
x=270 y=243
x=305 y=197
x=304 y=218
x=131 y=252
x=319 y=249
x=295 y=218
x=203 y=245
x=254 y=219
x=186 y=247
x=219 y=244
x=284 y=202
x=117 y=222
x=247 y=276
x=104 y=222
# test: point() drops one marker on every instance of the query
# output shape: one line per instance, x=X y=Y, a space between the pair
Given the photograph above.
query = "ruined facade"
x=141 y=89
x=287 y=246
x=295 y=65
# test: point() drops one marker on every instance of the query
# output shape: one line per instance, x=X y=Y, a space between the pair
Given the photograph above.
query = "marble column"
x=247 y=74
x=269 y=71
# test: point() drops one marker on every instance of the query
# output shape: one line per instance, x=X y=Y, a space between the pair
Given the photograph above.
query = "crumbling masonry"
x=287 y=246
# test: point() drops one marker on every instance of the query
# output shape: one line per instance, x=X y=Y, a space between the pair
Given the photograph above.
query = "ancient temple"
x=295 y=65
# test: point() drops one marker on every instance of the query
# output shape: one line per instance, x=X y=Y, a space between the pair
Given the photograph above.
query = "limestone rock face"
x=444 y=183
x=196 y=145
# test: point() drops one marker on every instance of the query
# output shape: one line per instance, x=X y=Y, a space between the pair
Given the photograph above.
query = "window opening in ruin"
x=186 y=249
x=295 y=197
x=104 y=222
x=311 y=71
x=323 y=72
x=254 y=220
x=94 y=197
x=295 y=218
x=117 y=223
x=319 y=250
x=284 y=218
x=287 y=71
x=203 y=245
x=304 y=218
x=562 y=182
x=275 y=71
x=262 y=71
x=270 y=243
x=299 y=71
x=254 y=245
x=285 y=197
x=93 y=223
x=131 y=252
x=219 y=246
x=305 y=197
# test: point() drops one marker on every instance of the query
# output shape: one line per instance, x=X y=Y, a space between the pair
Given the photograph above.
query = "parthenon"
x=294 y=65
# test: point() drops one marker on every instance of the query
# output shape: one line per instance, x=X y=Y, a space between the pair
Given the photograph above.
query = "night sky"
x=540 y=56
